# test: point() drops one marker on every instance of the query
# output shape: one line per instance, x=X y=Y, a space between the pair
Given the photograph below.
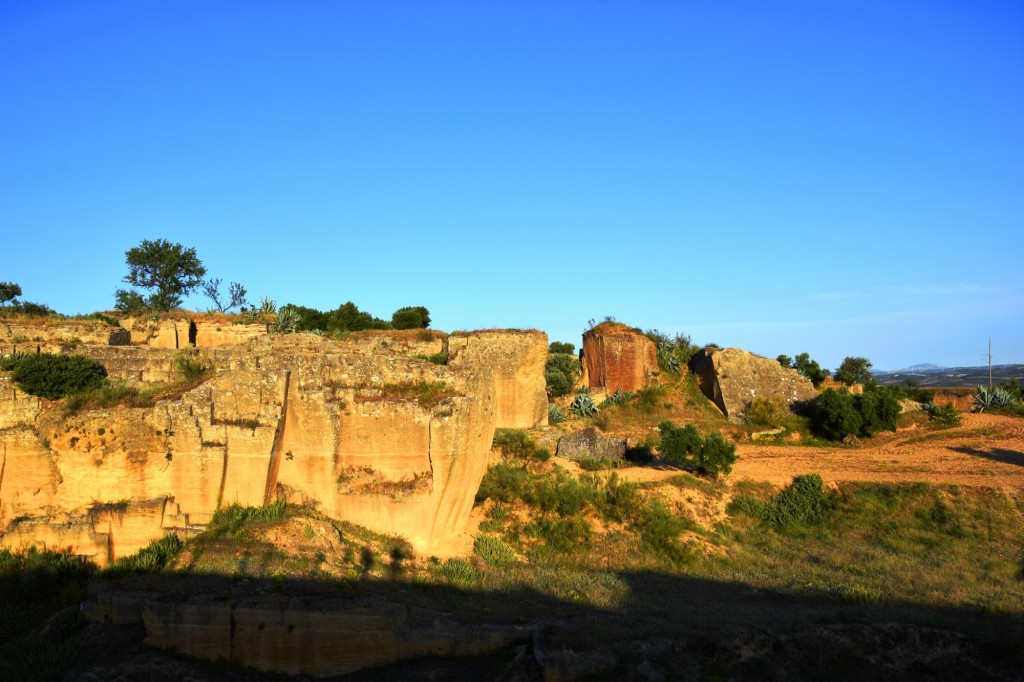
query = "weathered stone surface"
x=294 y=635
x=590 y=442
x=30 y=335
x=618 y=357
x=732 y=378
x=515 y=362
x=345 y=427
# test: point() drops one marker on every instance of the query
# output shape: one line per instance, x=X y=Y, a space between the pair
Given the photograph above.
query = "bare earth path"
x=986 y=450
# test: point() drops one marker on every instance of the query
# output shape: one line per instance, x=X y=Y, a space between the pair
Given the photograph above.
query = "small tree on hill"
x=171 y=270
x=854 y=371
x=411 y=317
x=9 y=291
x=810 y=369
x=236 y=294
x=785 y=361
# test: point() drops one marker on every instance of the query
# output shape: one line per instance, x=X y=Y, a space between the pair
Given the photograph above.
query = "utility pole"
x=990 y=364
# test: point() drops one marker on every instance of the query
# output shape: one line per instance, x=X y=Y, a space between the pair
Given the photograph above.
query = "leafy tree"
x=170 y=270
x=785 y=361
x=854 y=371
x=560 y=373
x=348 y=317
x=561 y=347
x=835 y=415
x=236 y=294
x=411 y=317
x=810 y=369
x=9 y=291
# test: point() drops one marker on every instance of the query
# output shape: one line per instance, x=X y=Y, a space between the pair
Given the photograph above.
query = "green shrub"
x=504 y=483
x=561 y=348
x=560 y=374
x=879 y=409
x=659 y=531
x=709 y=456
x=649 y=399
x=802 y=503
x=458 y=572
x=945 y=415
x=191 y=368
x=54 y=376
x=561 y=535
x=674 y=353
x=768 y=411
x=837 y=414
x=493 y=551
x=517 y=444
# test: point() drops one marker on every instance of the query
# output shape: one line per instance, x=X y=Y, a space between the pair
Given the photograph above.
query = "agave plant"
x=583 y=404
x=9 y=362
x=556 y=415
x=985 y=398
x=287 y=320
x=618 y=397
x=668 y=361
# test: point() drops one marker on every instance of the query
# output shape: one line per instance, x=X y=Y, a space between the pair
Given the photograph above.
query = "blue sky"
x=840 y=178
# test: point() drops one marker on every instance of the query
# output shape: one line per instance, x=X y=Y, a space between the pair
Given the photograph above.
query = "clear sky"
x=841 y=178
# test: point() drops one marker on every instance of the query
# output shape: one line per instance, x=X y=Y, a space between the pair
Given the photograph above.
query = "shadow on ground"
x=669 y=627
x=996 y=454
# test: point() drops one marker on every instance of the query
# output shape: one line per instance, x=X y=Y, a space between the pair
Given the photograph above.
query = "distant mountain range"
x=933 y=375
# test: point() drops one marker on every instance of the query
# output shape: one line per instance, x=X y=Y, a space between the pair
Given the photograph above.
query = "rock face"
x=731 y=378
x=295 y=635
x=590 y=442
x=364 y=432
x=618 y=357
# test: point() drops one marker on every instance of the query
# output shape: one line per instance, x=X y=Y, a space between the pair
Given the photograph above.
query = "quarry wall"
x=360 y=428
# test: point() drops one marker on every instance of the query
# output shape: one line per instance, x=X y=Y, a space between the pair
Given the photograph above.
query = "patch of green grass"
x=150 y=559
x=231 y=520
x=492 y=550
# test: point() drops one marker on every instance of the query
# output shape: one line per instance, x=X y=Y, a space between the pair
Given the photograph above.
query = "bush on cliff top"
x=54 y=376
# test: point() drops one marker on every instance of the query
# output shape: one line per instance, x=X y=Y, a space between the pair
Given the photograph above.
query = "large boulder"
x=591 y=443
x=732 y=378
x=618 y=357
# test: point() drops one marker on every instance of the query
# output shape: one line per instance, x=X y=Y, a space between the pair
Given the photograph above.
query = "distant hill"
x=932 y=375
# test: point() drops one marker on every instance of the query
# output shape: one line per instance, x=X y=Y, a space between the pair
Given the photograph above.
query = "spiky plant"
x=556 y=415
x=287 y=320
x=583 y=404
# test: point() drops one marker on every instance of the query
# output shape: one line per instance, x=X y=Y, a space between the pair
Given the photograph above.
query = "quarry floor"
x=985 y=450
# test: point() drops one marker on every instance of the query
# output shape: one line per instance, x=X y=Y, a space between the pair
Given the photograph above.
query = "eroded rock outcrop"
x=618 y=357
x=731 y=378
x=375 y=437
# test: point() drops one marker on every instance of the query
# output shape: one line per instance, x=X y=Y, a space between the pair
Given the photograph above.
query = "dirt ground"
x=985 y=450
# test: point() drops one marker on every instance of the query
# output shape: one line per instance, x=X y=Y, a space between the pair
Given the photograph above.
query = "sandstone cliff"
x=361 y=430
x=731 y=378
x=618 y=357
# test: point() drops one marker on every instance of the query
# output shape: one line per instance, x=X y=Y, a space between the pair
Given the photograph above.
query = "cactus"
x=668 y=361
x=583 y=404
